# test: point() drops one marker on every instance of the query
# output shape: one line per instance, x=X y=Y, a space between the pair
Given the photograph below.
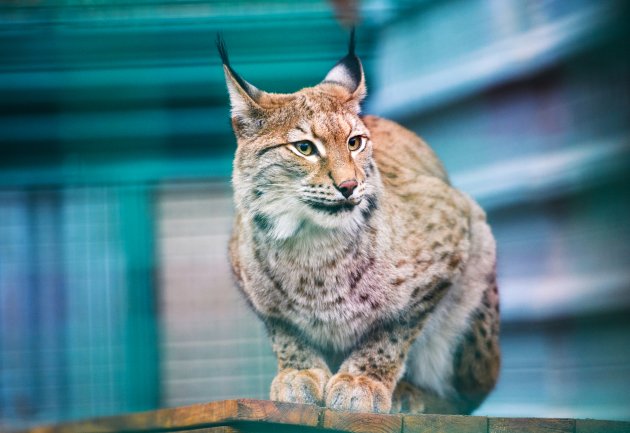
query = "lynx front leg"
x=302 y=372
x=367 y=378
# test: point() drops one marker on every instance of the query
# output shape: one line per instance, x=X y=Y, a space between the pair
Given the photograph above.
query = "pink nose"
x=347 y=187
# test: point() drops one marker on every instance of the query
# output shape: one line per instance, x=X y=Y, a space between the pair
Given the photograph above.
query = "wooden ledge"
x=234 y=416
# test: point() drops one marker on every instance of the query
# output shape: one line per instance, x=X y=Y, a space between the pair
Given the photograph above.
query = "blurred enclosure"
x=115 y=204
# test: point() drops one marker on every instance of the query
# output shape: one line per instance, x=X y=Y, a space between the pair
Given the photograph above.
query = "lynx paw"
x=299 y=386
x=345 y=391
x=407 y=398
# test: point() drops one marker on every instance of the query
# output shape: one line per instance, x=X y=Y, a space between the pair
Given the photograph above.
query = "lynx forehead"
x=374 y=277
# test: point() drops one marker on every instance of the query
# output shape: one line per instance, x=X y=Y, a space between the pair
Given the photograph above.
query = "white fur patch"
x=320 y=147
x=341 y=74
x=312 y=157
x=241 y=104
x=285 y=225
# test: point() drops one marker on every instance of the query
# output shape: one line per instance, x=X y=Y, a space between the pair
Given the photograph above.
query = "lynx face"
x=304 y=160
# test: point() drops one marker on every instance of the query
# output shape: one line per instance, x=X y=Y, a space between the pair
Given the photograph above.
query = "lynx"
x=374 y=277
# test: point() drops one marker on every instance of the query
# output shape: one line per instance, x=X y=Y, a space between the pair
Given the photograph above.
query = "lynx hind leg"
x=407 y=398
x=475 y=371
x=411 y=399
x=478 y=357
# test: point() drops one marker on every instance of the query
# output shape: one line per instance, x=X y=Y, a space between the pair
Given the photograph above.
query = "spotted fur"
x=396 y=280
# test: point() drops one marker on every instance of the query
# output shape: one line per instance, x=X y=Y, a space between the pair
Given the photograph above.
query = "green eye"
x=356 y=142
x=305 y=147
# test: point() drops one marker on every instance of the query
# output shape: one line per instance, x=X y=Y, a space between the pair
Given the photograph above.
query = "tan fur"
x=399 y=277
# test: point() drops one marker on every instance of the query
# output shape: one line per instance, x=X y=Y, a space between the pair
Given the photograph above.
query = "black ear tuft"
x=247 y=88
x=352 y=43
x=348 y=71
x=222 y=50
x=351 y=60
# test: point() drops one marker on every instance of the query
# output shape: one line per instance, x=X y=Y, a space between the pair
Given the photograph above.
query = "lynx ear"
x=348 y=72
x=244 y=97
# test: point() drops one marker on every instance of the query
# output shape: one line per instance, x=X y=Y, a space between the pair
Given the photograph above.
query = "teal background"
x=115 y=203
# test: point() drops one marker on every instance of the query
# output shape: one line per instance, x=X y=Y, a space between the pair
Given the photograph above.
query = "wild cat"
x=374 y=277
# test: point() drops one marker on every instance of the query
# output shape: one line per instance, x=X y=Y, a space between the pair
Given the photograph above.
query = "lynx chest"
x=332 y=295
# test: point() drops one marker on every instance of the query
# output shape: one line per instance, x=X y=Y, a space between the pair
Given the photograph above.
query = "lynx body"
x=374 y=277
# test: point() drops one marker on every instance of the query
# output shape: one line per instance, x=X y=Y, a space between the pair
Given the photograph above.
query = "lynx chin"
x=374 y=277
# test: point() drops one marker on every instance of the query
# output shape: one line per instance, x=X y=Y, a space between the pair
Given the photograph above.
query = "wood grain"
x=221 y=412
x=530 y=425
x=197 y=415
x=362 y=422
x=222 y=429
x=596 y=426
x=281 y=413
x=248 y=416
x=444 y=424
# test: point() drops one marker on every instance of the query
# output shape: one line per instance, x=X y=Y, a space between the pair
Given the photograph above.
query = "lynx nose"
x=347 y=187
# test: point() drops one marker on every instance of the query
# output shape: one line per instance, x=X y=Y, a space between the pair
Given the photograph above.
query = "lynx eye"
x=356 y=143
x=305 y=147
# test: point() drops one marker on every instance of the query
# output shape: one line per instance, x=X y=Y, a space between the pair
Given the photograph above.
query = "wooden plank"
x=221 y=412
x=176 y=418
x=241 y=416
x=444 y=424
x=596 y=426
x=222 y=429
x=306 y=415
x=362 y=422
x=530 y=425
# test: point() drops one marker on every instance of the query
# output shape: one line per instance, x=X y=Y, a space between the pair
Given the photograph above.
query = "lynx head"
x=303 y=160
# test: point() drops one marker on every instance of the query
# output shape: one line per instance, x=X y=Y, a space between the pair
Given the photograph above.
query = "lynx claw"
x=299 y=386
x=345 y=391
